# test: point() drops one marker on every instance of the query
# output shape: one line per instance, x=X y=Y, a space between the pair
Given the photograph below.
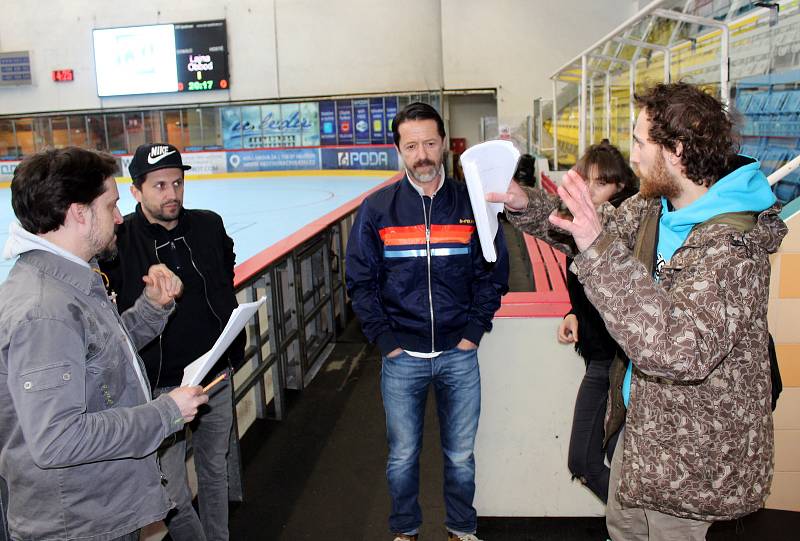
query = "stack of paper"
x=194 y=373
x=488 y=167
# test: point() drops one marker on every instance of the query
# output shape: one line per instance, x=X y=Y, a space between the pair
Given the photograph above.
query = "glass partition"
x=210 y=127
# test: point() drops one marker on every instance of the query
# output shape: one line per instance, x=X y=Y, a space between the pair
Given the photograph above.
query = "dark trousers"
x=4 y=536
x=586 y=453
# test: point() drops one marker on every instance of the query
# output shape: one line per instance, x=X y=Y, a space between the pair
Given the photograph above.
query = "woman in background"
x=610 y=179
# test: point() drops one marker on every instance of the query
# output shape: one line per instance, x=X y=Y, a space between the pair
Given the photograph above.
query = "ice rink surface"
x=258 y=211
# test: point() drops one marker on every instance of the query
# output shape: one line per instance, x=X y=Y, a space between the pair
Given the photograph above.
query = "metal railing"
x=292 y=334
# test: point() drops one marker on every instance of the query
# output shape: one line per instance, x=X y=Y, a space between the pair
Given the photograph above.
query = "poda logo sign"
x=364 y=159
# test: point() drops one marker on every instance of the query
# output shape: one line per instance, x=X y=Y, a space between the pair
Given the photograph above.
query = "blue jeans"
x=211 y=431
x=457 y=385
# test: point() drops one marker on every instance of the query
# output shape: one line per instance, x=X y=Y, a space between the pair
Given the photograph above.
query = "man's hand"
x=515 y=199
x=585 y=225
x=568 y=330
x=394 y=353
x=162 y=285
x=188 y=400
x=466 y=345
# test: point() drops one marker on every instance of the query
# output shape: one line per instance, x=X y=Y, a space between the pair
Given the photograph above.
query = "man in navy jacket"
x=425 y=295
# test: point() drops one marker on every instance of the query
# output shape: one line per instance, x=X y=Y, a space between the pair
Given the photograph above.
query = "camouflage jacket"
x=699 y=439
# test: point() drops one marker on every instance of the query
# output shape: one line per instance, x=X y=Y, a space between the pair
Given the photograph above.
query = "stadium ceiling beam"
x=725 y=45
x=631 y=89
x=645 y=45
x=641 y=14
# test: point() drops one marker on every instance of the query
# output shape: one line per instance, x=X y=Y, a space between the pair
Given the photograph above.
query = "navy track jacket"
x=415 y=270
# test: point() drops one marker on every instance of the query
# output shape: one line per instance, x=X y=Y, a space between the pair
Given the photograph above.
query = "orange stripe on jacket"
x=415 y=234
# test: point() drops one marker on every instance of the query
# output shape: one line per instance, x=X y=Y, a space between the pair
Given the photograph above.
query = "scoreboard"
x=201 y=56
x=181 y=57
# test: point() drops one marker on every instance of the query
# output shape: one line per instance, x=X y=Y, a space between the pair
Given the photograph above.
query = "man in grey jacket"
x=78 y=430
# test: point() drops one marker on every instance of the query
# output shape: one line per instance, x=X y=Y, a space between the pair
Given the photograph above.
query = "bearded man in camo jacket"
x=680 y=274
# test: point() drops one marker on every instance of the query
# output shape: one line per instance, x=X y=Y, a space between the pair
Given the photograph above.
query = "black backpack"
x=777 y=383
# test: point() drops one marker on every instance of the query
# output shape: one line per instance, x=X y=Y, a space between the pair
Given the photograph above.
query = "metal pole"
x=724 y=61
x=641 y=14
x=631 y=105
x=582 y=107
x=724 y=75
x=530 y=134
x=667 y=66
x=591 y=111
x=783 y=171
x=555 y=126
x=607 y=130
x=666 y=51
x=540 y=128
x=125 y=131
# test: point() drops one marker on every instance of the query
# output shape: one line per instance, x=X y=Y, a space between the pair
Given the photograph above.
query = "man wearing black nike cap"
x=195 y=246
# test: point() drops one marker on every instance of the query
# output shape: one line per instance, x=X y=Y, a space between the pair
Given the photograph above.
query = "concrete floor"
x=319 y=474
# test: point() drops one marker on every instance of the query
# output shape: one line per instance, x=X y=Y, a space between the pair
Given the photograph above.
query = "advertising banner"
x=344 y=122
x=231 y=125
x=270 y=126
x=383 y=157
x=202 y=163
x=273 y=160
x=309 y=123
x=7 y=170
x=361 y=121
x=252 y=136
x=377 y=120
x=390 y=104
x=327 y=123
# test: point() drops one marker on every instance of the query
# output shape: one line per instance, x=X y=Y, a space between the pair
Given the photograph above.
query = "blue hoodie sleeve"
x=362 y=277
x=490 y=283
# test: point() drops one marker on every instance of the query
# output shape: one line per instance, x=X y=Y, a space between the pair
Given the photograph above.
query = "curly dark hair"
x=45 y=184
x=703 y=125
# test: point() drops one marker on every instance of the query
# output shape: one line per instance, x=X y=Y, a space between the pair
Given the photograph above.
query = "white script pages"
x=488 y=167
x=194 y=373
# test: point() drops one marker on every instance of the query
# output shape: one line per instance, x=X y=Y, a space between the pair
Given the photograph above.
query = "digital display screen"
x=63 y=76
x=161 y=58
x=202 y=56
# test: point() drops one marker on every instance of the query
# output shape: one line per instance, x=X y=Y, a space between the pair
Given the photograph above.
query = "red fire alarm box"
x=458 y=145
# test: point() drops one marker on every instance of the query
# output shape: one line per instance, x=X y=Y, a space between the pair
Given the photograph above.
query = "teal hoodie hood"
x=745 y=189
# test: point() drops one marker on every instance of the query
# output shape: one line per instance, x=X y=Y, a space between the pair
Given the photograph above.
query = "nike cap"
x=155 y=156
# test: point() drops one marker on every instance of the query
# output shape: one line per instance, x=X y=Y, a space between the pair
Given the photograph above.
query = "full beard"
x=659 y=183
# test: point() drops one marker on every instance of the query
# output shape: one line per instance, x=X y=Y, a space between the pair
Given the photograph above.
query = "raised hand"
x=162 y=285
x=585 y=225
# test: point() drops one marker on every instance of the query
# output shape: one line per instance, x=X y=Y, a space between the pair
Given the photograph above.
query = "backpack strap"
x=646 y=240
x=743 y=222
